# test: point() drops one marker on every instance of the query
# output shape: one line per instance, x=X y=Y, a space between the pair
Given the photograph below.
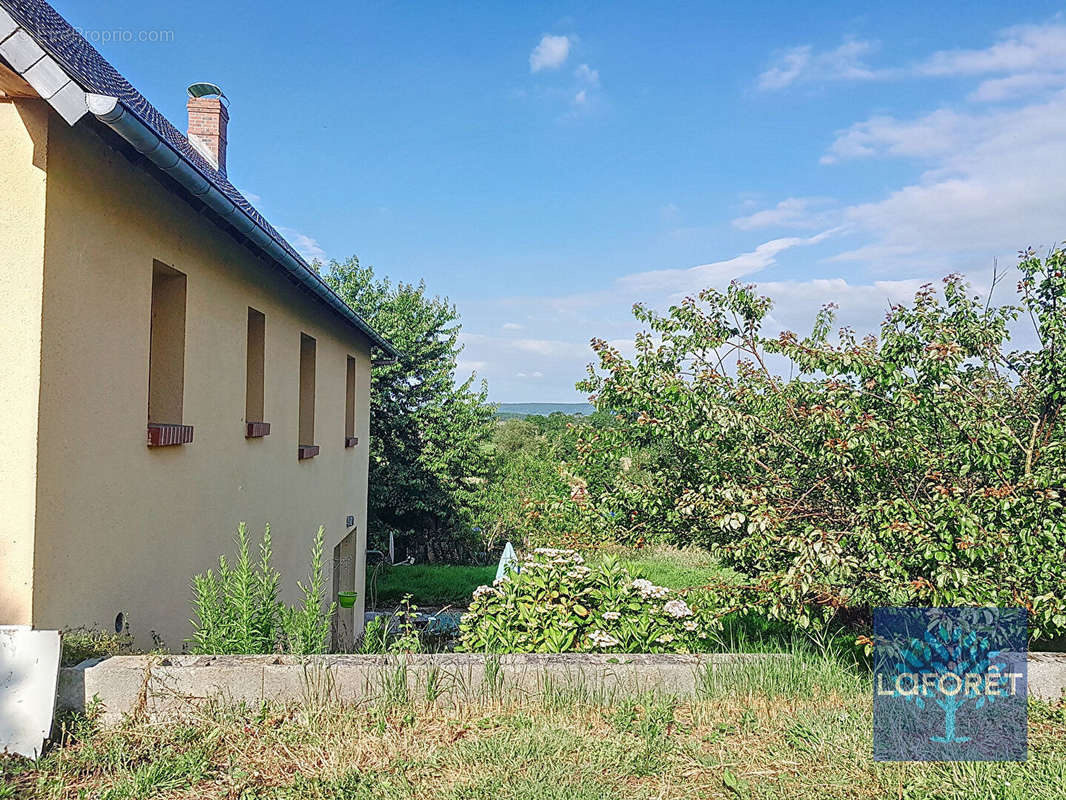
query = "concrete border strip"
x=176 y=686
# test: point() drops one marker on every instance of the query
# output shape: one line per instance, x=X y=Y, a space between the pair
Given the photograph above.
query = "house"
x=169 y=364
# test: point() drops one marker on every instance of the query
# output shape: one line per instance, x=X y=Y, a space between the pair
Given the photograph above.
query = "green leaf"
x=735 y=785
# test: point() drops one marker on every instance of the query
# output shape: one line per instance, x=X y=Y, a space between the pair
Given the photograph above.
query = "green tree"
x=526 y=501
x=428 y=433
x=922 y=466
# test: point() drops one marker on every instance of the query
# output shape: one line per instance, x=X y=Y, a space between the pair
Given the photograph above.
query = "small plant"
x=408 y=639
x=394 y=686
x=307 y=626
x=493 y=679
x=376 y=637
x=434 y=684
x=393 y=634
x=557 y=604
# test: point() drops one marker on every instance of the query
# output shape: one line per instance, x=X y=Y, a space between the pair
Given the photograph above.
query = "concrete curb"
x=162 y=687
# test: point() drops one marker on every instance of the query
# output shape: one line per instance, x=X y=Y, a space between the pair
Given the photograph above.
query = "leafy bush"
x=921 y=467
x=238 y=611
x=556 y=604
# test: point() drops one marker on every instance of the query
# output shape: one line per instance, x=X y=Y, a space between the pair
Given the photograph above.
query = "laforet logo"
x=950 y=684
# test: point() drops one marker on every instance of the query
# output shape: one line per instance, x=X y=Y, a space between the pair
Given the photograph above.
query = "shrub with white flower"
x=677 y=608
x=557 y=604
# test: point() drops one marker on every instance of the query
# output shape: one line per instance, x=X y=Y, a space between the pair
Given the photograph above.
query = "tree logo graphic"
x=950 y=684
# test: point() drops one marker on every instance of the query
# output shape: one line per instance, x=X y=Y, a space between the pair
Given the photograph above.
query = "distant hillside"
x=509 y=410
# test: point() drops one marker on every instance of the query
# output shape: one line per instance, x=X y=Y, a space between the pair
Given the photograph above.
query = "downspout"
x=126 y=124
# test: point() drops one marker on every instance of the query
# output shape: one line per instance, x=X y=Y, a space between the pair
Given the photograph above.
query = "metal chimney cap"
x=205 y=89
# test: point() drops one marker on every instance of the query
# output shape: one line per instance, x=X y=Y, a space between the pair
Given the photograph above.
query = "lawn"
x=430 y=585
x=801 y=732
x=672 y=567
x=433 y=585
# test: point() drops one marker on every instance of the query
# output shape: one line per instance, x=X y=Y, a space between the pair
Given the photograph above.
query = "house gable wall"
x=121 y=527
x=23 y=180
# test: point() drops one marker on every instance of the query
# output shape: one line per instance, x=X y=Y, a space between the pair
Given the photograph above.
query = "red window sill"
x=165 y=435
x=351 y=441
x=306 y=451
x=257 y=430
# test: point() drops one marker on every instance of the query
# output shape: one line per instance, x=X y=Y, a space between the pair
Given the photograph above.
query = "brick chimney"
x=207 y=129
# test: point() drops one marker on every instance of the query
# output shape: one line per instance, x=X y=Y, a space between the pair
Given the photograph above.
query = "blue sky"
x=545 y=166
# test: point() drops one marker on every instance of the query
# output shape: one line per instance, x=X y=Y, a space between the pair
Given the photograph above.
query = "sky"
x=545 y=166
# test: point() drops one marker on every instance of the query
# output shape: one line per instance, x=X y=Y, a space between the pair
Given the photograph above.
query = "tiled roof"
x=86 y=66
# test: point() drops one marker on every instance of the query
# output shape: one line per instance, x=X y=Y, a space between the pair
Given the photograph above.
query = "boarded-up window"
x=307 y=390
x=166 y=365
x=349 y=401
x=253 y=406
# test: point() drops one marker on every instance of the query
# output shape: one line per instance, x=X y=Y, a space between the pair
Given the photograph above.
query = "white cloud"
x=580 y=98
x=511 y=326
x=550 y=53
x=804 y=64
x=788 y=67
x=542 y=347
x=305 y=245
x=585 y=74
x=988 y=188
x=552 y=365
x=935 y=134
x=464 y=367
x=1027 y=57
x=792 y=212
x=695 y=278
x=1022 y=48
x=995 y=90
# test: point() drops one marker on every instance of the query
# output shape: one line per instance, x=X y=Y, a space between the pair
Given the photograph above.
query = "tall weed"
x=306 y=626
x=237 y=611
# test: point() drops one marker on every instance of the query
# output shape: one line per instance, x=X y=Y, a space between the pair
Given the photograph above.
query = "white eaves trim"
x=41 y=71
x=7 y=25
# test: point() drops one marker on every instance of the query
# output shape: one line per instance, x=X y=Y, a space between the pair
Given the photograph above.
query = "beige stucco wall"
x=121 y=527
x=23 y=161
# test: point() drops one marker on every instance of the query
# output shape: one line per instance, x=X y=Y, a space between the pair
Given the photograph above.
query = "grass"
x=433 y=585
x=82 y=643
x=676 y=568
x=756 y=731
x=428 y=584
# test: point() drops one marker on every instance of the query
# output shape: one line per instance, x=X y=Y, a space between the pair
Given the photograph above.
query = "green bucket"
x=347 y=599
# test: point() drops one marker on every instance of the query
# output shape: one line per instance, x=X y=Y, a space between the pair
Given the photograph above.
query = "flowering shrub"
x=557 y=604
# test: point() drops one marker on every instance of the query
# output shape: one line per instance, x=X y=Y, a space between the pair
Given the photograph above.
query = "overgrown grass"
x=82 y=643
x=757 y=730
x=428 y=584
